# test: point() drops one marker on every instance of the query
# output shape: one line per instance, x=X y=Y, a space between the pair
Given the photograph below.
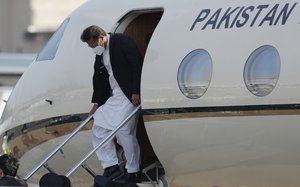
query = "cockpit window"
x=194 y=74
x=50 y=49
x=262 y=70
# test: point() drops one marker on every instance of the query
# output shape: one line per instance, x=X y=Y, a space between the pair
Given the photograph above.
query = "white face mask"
x=98 y=50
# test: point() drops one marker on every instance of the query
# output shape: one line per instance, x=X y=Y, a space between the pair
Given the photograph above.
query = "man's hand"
x=93 y=110
x=135 y=99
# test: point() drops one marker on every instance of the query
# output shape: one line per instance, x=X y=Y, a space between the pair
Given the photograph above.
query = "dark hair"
x=11 y=181
x=92 y=32
x=54 y=180
x=9 y=164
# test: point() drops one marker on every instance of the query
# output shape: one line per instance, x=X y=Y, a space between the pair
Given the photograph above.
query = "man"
x=116 y=84
x=9 y=166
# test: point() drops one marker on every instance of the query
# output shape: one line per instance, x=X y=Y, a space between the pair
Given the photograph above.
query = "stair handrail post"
x=58 y=147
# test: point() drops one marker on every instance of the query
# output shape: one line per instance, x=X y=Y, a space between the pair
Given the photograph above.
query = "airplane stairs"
x=151 y=174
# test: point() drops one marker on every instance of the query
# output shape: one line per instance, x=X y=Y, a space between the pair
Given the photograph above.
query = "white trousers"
x=126 y=137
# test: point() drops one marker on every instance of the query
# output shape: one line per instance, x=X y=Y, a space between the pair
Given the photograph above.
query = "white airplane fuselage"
x=219 y=90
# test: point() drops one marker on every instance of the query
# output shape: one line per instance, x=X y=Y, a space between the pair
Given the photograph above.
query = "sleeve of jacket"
x=101 y=87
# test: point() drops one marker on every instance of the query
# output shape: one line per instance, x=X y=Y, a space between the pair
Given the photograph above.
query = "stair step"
x=146 y=185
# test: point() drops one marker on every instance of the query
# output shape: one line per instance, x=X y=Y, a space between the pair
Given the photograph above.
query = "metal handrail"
x=101 y=144
x=58 y=147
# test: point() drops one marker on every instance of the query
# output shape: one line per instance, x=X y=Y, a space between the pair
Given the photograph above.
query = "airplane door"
x=140 y=25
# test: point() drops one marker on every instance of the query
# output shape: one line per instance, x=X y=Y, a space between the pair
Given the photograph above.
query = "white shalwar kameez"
x=107 y=117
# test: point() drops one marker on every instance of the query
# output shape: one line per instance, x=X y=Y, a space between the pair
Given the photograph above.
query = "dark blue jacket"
x=126 y=63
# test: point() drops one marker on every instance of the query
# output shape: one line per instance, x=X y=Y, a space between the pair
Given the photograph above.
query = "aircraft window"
x=194 y=73
x=262 y=70
x=50 y=49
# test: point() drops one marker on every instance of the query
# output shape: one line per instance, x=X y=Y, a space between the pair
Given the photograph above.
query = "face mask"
x=98 y=50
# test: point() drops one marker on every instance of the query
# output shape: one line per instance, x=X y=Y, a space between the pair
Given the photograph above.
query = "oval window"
x=262 y=70
x=194 y=73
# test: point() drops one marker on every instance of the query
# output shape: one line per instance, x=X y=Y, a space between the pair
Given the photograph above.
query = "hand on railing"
x=135 y=99
x=93 y=110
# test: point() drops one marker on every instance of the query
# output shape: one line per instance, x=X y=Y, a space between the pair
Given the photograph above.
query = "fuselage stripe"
x=220 y=111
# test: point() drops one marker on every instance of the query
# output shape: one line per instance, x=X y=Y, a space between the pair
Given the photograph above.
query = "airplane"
x=219 y=92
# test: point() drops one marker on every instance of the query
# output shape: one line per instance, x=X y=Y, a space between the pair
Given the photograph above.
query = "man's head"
x=93 y=36
x=9 y=165
x=53 y=179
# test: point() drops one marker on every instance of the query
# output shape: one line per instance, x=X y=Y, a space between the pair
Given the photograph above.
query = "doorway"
x=140 y=25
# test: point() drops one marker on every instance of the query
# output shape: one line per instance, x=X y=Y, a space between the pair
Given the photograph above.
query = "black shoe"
x=112 y=172
x=100 y=181
x=130 y=178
